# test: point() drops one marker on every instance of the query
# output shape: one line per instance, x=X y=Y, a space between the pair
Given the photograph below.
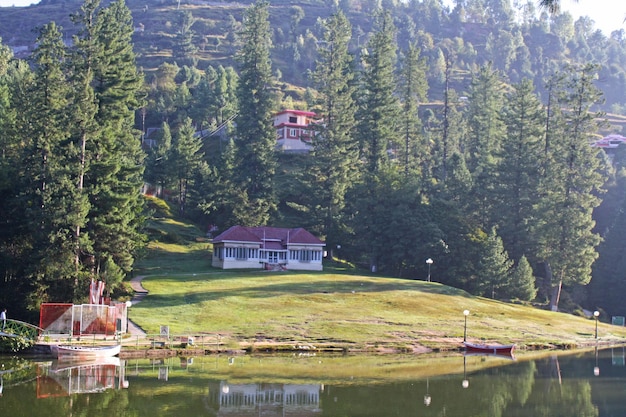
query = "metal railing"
x=16 y=328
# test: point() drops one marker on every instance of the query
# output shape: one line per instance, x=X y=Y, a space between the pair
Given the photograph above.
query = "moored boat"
x=77 y=352
x=505 y=350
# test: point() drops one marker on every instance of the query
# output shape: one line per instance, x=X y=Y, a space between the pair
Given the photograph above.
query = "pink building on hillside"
x=293 y=130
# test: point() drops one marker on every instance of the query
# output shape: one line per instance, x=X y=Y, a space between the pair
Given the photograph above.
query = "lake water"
x=574 y=384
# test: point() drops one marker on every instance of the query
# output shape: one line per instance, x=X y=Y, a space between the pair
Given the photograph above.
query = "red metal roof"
x=300 y=112
x=269 y=235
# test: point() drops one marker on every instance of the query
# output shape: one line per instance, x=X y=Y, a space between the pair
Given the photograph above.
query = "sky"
x=609 y=15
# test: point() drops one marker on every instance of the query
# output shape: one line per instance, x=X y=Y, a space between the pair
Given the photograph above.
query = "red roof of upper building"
x=300 y=112
x=272 y=237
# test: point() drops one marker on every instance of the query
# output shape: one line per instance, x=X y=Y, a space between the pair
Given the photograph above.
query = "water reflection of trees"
x=522 y=389
x=544 y=387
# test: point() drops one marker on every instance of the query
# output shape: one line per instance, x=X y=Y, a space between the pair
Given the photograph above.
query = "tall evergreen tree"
x=184 y=49
x=485 y=124
x=84 y=107
x=486 y=132
x=379 y=115
x=117 y=157
x=609 y=271
x=413 y=89
x=187 y=158
x=379 y=128
x=256 y=137
x=158 y=167
x=49 y=188
x=567 y=239
x=335 y=149
x=517 y=191
x=15 y=237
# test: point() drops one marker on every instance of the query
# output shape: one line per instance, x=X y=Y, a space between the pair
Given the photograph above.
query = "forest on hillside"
x=460 y=135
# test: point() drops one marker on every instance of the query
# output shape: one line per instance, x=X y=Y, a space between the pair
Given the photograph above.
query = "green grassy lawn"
x=340 y=307
x=352 y=311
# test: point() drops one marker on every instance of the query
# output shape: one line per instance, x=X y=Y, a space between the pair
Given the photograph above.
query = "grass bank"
x=259 y=310
x=341 y=309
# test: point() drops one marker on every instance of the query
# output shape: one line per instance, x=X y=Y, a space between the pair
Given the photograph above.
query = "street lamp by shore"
x=429 y=262
x=465 y=313
x=596 y=314
x=128 y=306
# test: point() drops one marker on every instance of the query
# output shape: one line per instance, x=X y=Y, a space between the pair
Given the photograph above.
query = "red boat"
x=493 y=349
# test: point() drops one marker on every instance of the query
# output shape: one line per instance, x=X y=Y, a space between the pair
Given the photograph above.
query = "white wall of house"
x=242 y=256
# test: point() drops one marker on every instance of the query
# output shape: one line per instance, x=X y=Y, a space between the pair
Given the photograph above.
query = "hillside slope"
x=338 y=308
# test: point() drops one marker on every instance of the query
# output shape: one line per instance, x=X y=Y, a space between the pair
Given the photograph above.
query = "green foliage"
x=379 y=108
x=14 y=344
x=522 y=282
x=441 y=169
x=256 y=162
x=335 y=148
x=494 y=268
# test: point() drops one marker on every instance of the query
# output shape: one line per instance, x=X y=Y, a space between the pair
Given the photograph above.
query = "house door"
x=272 y=257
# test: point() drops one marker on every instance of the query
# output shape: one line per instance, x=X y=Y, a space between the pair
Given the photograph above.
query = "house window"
x=241 y=254
x=293 y=133
x=293 y=119
x=305 y=255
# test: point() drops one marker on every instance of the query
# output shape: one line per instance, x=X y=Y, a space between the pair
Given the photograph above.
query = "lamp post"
x=465 y=313
x=429 y=262
x=596 y=314
x=128 y=305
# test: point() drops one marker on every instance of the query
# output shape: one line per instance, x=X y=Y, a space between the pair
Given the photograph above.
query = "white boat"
x=77 y=352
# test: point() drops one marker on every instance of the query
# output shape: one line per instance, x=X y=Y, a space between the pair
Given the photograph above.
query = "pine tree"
x=494 y=268
x=521 y=282
x=256 y=137
x=486 y=127
x=413 y=89
x=517 y=191
x=571 y=185
x=158 y=171
x=335 y=150
x=187 y=158
x=117 y=158
x=83 y=110
x=15 y=237
x=49 y=189
x=184 y=49
x=379 y=113
x=486 y=132
x=378 y=130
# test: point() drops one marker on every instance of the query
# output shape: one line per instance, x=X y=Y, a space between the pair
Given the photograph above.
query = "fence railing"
x=206 y=341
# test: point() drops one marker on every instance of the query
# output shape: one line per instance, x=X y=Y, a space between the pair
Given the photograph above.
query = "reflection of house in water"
x=269 y=400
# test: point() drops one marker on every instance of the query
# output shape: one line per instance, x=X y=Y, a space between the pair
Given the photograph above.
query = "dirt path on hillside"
x=139 y=294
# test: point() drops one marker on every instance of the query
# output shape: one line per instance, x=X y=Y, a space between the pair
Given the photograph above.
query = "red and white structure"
x=267 y=248
x=293 y=130
x=609 y=142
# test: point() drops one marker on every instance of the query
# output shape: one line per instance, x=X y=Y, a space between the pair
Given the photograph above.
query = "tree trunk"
x=555 y=290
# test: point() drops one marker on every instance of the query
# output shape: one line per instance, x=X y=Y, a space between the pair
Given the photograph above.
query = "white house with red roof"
x=293 y=130
x=267 y=248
